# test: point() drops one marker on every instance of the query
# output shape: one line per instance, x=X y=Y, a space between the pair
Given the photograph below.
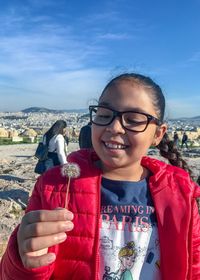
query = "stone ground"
x=17 y=179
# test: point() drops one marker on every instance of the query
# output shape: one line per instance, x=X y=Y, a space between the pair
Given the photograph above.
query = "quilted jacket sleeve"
x=11 y=267
x=196 y=237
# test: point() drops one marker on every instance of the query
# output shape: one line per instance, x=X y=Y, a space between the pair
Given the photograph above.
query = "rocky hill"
x=53 y=111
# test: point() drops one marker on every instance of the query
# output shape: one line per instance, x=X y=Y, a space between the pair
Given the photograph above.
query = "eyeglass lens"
x=130 y=120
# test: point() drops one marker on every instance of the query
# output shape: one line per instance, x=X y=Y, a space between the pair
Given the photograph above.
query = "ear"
x=160 y=131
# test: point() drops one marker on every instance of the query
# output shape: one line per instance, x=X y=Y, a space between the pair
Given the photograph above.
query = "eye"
x=104 y=113
x=135 y=118
x=103 y=116
x=134 y=121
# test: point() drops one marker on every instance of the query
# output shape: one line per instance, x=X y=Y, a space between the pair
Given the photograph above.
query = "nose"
x=115 y=127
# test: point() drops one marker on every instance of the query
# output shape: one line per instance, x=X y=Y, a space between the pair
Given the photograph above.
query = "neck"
x=133 y=173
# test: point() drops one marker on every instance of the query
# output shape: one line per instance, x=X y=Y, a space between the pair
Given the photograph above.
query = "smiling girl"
x=121 y=196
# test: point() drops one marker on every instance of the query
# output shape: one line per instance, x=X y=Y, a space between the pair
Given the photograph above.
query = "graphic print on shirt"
x=129 y=245
x=127 y=256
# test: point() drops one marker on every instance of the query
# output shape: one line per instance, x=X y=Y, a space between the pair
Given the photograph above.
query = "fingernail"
x=69 y=216
x=61 y=237
x=67 y=226
x=51 y=258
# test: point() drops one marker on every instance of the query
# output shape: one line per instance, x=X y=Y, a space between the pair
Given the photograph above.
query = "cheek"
x=142 y=141
x=96 y=134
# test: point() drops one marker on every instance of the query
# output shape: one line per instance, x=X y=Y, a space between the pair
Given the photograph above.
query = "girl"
x=55 y=140
x=121 y=196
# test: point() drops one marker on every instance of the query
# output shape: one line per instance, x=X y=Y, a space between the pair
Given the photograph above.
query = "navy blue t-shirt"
x=129 y=245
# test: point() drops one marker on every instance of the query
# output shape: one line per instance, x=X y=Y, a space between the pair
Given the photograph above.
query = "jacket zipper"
x=97 y=262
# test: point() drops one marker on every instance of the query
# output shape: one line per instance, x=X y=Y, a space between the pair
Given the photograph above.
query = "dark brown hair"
x=55 y=129
x=166 y=146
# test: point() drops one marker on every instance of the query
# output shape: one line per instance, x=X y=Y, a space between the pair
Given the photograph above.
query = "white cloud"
x=51 y=49
x=113 y=36
x=108 y=16
x=74 y=89
x=60 y=64
x=195 y=57
x=48 y=67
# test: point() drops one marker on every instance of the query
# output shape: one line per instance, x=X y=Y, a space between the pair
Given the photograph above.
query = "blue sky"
x=60 y=54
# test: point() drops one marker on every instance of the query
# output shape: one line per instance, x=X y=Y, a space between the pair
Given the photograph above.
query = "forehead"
x=126 y=95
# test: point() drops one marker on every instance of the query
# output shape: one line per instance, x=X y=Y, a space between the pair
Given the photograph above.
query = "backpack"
x=43 y=165
x=41 y=152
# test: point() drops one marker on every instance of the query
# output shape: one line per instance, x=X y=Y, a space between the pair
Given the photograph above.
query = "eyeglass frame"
x=116 y=113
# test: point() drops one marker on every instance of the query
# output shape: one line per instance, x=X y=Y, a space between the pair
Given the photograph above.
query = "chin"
x=113 y=164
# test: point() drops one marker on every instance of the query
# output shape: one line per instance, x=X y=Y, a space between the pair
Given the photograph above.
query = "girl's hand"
x=39 y=230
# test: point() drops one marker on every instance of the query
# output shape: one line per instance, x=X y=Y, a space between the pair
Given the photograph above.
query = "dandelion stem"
x=67 y=193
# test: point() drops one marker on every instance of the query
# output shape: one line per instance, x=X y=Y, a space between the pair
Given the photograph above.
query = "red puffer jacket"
x=77 y=258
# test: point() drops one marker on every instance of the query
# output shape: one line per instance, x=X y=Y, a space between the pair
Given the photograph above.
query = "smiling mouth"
x=115 y=146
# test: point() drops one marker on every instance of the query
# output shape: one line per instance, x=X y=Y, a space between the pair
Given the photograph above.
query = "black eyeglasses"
x=130 y=120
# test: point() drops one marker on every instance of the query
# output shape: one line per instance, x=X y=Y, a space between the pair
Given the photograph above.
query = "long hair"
x=55 y=129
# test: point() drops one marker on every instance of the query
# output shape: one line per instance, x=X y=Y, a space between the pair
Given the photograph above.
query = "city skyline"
x=61 y=55
x=83 y=111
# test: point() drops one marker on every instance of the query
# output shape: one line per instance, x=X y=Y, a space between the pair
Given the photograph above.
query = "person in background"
x=85 y=140
x=176 y=139
x=66 y=142
x=121 y=197
x=54 y=138
x=184 y=140
x=198 y=199
x=198 y=180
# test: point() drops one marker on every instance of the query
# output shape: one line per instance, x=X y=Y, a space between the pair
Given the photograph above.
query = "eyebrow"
x=135 y=109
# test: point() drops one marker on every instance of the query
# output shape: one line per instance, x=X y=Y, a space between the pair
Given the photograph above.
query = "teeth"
x=114 y=146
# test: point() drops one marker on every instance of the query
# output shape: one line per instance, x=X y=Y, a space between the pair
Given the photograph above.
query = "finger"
x=46 y=228
x=38 y=243
x=47 y=215
x=34 y=262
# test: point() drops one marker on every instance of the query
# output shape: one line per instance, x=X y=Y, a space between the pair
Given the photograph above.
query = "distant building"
x=13 y=133
x=29 y=133
x=4 y=133
x=17 y=139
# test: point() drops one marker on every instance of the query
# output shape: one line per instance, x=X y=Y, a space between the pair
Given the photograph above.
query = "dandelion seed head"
x=71 y=170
